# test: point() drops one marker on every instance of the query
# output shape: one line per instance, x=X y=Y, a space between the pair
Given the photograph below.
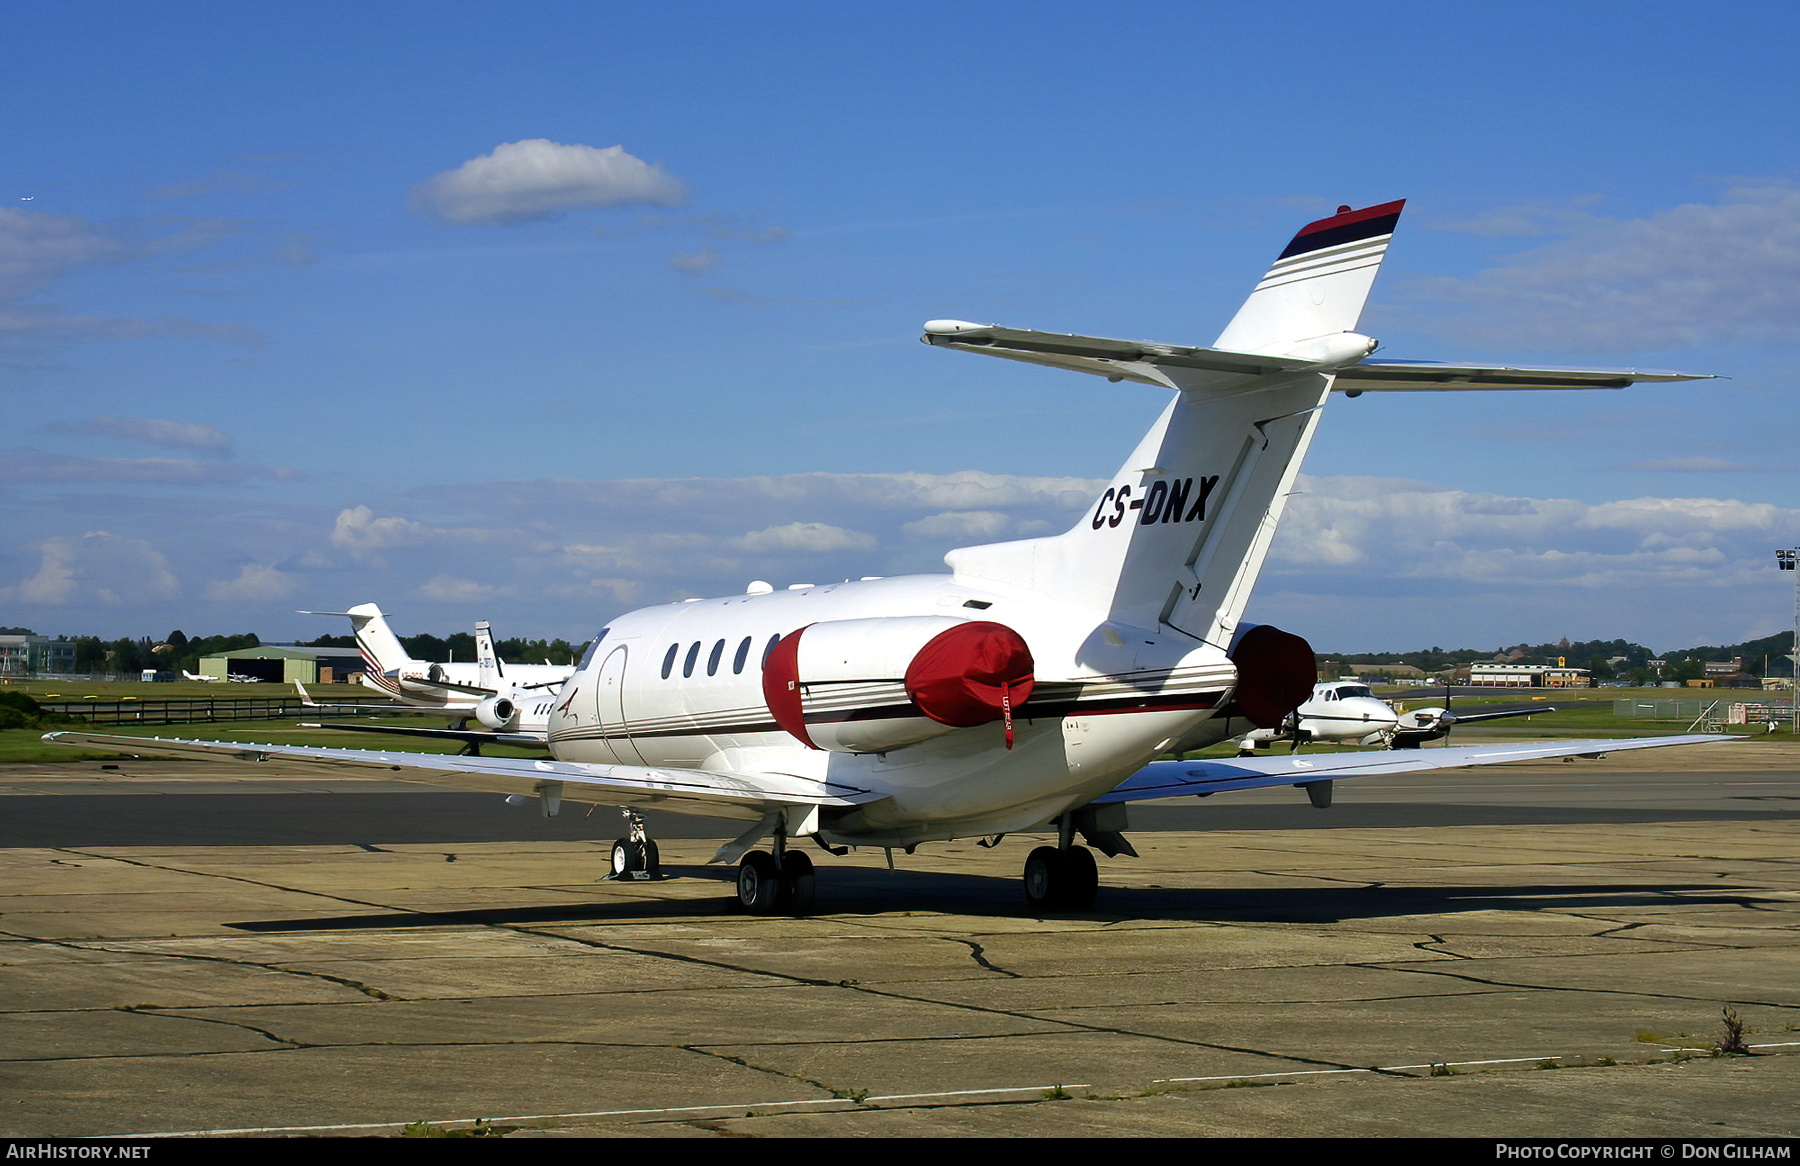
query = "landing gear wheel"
x=759 y=883
x=652 y=860
x=798 y=883
x=1081 y=878
x=627 y=859
x=1044 y=878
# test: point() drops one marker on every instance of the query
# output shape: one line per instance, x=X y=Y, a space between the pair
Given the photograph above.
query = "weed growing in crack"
x=481 y=1129
x=857 y=1095
x=1242 y=1084
x=1606 y=1061
x=1646 y=1036
x=1733 y=1045
x=1548 y=1064
x=1056 y=1093
x=1443 y=1069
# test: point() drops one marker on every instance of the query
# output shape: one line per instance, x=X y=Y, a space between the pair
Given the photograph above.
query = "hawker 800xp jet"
x=1032 y=687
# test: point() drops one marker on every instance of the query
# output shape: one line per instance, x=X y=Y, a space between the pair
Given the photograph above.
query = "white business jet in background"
x=504 y=698
x=1032 y=687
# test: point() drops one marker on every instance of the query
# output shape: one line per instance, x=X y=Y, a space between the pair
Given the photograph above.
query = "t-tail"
x=384 y=657
x=490 y=670
x=1179 y=535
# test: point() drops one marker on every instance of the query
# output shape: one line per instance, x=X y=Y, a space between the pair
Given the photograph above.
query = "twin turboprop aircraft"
x=1348 y=710
x=1031 y=688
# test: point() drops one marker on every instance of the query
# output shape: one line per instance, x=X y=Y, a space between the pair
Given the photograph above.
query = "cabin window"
x=773 y=640
x=687 y=665
x=743 y=654
x=669 y=660
x=712 y=659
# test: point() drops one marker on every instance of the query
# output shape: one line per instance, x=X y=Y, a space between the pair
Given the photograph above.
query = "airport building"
x=1520 y=675
x=34 y=655
x=286 y=663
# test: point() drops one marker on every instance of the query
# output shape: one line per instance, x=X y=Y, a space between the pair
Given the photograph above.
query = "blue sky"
x=287 y=322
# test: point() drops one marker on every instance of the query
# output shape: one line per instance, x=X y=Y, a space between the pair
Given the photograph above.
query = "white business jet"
x=493 y=692
x=1032 y=687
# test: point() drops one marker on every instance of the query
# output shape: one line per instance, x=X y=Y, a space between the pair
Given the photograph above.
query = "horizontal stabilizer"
x=1171 y=366
x=1420 y=376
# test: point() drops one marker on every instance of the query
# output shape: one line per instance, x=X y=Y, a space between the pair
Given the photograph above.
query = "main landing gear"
x=1063 y=877
x=1061 y=880
x=778 y=883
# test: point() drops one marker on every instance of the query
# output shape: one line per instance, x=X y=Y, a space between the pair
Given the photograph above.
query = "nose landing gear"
x=635 y=856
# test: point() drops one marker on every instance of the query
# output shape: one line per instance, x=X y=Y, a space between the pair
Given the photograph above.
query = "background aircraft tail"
x=490 y=670
x=381 y=648
x=1180 y=533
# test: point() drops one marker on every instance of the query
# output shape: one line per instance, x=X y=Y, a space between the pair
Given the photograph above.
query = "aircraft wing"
x=1470 y=718
x=1422 y=376
x=467 y=736
x=694 y=791
x=1174 y=779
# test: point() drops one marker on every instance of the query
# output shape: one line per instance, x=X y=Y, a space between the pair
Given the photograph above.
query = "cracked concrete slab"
x=361 y=983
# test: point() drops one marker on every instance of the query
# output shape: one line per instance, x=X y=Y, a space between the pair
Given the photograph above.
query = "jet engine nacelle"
x=873 y=685
x=1276 y=673
x=497 y=713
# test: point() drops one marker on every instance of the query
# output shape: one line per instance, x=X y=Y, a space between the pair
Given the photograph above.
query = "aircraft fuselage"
x=681 y=685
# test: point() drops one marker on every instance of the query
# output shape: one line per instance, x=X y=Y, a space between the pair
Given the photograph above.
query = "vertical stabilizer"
x=1181 y=531
x=490 y=671
x=1319 y=283
x=381 y=648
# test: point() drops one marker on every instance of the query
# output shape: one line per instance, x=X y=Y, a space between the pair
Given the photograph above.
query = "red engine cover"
x=958 y=676
x=1276 y=673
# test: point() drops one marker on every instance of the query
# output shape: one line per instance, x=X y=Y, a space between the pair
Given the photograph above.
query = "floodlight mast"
x=1786 y=560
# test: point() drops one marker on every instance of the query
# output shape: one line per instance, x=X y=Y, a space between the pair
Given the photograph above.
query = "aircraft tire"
x=627 y=858
x=759 y=883
x=799 y=885
x=1046 y=879
x=1081 y=878
x=652 y=859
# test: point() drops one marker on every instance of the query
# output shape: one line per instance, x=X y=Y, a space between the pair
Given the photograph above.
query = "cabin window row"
x=715 y=657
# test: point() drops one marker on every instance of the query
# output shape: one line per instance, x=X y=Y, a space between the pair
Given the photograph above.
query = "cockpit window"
x=587 y=657
x=1349 y=691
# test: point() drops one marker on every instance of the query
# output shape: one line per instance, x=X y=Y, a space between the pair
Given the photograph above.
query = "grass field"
x=1590 y=716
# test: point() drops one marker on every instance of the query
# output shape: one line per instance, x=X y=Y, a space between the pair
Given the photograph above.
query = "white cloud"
x=358 y=531
x=452 y=590
x=539 y=179
x=30 y=465
x=978 y=525
x=256 y=583
x=694 y=261
x=169 y=434
x=38 y=249
x=1686 y=465
x=1687 y=275
x=97 y=567
x=813 y=537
